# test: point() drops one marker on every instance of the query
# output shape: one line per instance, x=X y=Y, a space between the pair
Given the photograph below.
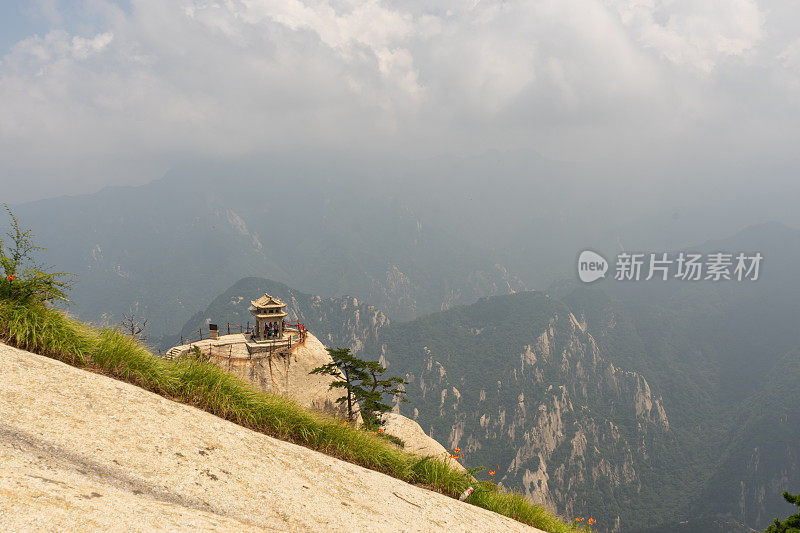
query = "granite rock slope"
x=81 y=451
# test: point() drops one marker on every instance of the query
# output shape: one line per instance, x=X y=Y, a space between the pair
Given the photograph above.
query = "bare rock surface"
x=83 y=452
x=415 y=439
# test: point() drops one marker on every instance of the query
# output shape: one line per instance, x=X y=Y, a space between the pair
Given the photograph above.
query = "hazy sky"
x=94 y=93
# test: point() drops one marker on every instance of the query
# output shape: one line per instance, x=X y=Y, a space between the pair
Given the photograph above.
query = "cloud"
x=83 y=48
x=573 y=79
x=691 y=33
x=55 y=47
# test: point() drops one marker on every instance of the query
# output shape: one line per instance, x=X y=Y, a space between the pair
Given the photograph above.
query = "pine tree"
x=363 y=382
x=375 y=388
x=792 y=523
x=350 y=371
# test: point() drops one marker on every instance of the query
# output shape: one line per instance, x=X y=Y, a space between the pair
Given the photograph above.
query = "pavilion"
x=270 y=317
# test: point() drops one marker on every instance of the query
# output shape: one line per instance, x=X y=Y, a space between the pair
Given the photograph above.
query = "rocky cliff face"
x=727 y=362
x=344 y=322
x=532 y=397
x=284 y=373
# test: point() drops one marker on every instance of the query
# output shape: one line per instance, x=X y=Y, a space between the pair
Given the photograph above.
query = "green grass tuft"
x=125 y=359
x=49 y=332
x=45 y=331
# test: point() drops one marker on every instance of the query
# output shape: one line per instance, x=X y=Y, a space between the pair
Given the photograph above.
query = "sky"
x=96 y=93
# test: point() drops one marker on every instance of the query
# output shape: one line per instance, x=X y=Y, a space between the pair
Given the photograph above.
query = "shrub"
x=25 y=280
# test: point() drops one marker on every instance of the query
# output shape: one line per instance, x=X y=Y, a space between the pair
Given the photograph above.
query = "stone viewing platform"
x=270 y=336
x=241 y=346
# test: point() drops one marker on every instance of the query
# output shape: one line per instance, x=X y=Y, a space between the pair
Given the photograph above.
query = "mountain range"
x=649 y=405
x=643 y=404
x=164 y=248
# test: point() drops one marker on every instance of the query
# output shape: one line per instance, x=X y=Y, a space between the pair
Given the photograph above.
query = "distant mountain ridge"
x=344 y=321
x=551 y=391
x=642 y=405
x=169 y=246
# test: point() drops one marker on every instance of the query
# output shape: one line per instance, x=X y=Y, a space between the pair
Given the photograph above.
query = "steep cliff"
x=284 y=373
x=726 y=362
x=519 y=385
x=671 y=410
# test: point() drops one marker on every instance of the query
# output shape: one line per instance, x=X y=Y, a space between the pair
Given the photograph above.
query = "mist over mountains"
x=665 y=404
x=409 y=236
x=417 y=181
x=641 y=403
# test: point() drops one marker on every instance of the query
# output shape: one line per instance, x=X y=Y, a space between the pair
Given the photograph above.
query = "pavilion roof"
x=267 y=301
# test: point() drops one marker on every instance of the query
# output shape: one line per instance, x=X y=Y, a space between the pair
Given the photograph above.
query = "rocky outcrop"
x=283 y=373
x=415 y=440
x=345 y=321
x=83 y=452
x=561 y=446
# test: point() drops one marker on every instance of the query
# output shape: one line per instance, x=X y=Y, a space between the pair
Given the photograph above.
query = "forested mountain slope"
x=519 y=385
x=656 y=403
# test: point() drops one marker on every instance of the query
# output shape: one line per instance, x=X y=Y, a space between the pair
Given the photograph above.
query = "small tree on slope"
x=376 y=388
x=363 y=383
x=134 y=326
x=349 y=371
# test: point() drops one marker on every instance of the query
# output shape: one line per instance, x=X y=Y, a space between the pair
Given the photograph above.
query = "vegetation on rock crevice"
x=365 y=387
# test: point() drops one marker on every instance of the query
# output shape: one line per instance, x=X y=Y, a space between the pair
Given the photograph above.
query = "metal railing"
x=296 y=331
